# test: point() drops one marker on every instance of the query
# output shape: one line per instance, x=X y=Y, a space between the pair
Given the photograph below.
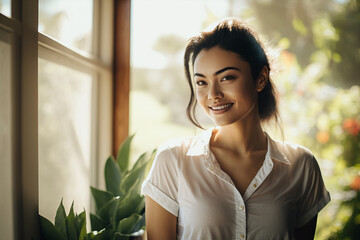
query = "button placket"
x=241 y=215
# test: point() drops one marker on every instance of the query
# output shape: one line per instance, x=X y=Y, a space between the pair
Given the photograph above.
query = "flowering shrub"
x=327 y=121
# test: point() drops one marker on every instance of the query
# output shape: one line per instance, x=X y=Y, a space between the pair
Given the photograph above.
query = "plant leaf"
x=130 y=202
x=122 y=158
x=145 y=157
x=127 y=224
x=131 y=177
x=107 y=212
x=129 y=206
x=48 y=230
x=112 y=176
x=60 y=219
x=96 y=223
x=140 y=224
x=119 y=236
x=141 y=206
x=70 y=225
x=81 y=225
x=100 y=197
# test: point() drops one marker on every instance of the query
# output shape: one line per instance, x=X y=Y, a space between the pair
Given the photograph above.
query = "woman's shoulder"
x=293 y=152
x=185 y=145
x=176 y=147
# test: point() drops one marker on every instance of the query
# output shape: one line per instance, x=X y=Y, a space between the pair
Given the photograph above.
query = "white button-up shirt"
x=286 y=193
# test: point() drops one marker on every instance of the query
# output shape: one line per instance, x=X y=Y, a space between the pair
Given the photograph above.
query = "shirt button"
x=241 y=207
x=254 y=185
x=242 y=235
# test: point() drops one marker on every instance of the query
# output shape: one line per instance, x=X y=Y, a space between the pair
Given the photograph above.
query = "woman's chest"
x=209 y=200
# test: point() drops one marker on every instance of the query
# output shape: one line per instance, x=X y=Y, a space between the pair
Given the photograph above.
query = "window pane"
x=65 y=97
x=68 y=21
x=6 y=139
x=5 y=7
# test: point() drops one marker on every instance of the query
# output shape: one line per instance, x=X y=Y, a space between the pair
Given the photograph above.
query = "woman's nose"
x=215 y=92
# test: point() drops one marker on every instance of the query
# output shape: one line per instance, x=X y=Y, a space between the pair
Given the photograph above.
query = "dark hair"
x=233 y=35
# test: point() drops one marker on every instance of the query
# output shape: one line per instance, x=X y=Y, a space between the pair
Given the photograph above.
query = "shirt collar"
x=201 y=146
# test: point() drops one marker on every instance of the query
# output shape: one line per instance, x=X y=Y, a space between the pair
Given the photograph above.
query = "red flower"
x=352 y=126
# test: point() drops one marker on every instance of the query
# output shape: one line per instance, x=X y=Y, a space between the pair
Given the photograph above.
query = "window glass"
x=6 y=139
x=65 y=97
x=68 y=21
x=5 y=7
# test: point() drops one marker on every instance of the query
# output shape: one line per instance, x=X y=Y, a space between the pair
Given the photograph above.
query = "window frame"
x=110 y=61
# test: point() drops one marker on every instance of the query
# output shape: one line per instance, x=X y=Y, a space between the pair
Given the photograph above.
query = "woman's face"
x=224 y=86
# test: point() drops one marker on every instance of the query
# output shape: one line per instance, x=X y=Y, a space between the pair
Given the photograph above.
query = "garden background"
x=317 y=48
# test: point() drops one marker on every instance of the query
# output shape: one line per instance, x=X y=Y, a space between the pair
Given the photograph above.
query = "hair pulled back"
x=232 y=35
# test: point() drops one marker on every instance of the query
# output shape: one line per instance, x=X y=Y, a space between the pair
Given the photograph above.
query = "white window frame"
x=28 y=45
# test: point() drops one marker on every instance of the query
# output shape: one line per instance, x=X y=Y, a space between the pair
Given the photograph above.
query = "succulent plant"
x=119 y=210
x=67 y=227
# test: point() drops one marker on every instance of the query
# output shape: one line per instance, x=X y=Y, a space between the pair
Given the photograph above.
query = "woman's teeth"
x=221 y=107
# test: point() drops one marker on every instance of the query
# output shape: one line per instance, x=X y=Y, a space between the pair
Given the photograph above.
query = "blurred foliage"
x=347 y=47
x=319 y=96
x=330 y=26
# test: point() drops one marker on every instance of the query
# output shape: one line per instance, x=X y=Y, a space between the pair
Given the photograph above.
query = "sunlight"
x=152 y=19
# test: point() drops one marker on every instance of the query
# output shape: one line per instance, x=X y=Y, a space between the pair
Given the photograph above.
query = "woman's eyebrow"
x=225 y=69
x=218 y=72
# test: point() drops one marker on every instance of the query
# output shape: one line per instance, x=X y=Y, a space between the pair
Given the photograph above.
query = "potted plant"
x=119 y=210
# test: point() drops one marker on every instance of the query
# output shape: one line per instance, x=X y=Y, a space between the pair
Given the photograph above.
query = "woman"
x=232 y=181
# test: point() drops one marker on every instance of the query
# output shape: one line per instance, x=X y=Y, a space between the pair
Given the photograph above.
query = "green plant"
x=120 y=210
x=67 y=227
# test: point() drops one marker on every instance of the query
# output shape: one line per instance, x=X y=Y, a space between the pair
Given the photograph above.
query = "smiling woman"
x=226 y=91
x=230 y=181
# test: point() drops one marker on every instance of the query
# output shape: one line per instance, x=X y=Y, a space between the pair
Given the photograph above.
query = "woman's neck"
x=242 y=137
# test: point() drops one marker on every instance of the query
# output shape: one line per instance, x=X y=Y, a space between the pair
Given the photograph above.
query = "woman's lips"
x=221 y=108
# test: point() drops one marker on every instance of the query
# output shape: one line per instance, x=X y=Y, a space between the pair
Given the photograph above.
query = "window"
x=70 y=74
x=5 y=7
x=55 y=107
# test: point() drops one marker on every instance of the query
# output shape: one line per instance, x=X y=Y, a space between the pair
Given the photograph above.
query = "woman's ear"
x=262 y=79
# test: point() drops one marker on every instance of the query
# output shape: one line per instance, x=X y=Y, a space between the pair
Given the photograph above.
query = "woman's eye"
x=228 y=78
x=200 y=83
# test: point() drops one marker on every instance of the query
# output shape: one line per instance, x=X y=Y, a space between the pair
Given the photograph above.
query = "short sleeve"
x=161 y=183
x=314 y=194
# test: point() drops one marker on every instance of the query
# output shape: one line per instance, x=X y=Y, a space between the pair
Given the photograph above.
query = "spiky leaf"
x=49 y=231
x=127 y=224
x=70 y=225
x=60 y=219
x=100 y=197
x=131 y=177
x=108 y=211
x=145 y=157
x=122 y=158
x=80 y=223
x=96 y=223
x=112 y=176
x=130 y=202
